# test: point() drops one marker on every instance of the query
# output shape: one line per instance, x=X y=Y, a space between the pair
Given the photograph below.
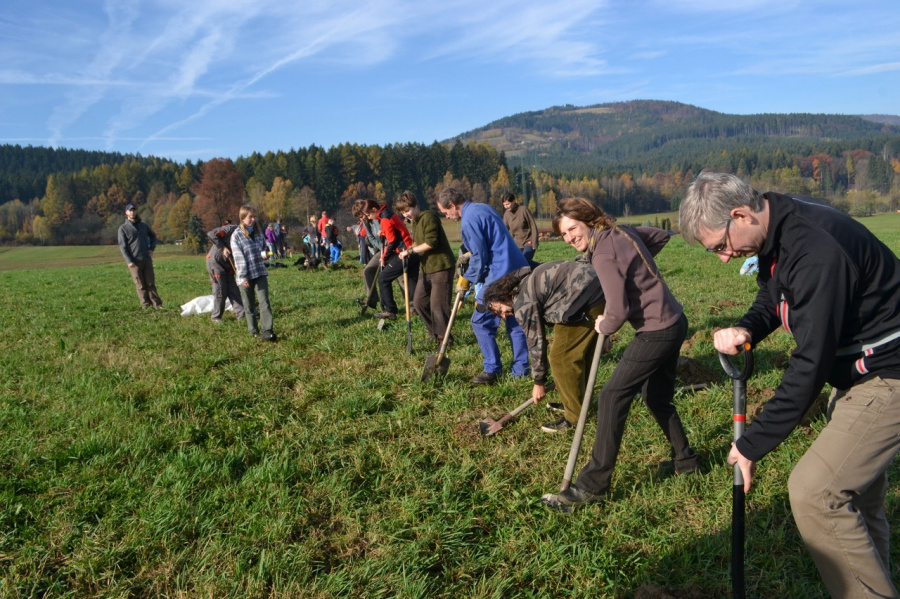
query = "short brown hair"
x=406 y=201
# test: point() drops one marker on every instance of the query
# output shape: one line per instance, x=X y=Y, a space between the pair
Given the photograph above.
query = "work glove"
x=462 y=263
x=462 y=284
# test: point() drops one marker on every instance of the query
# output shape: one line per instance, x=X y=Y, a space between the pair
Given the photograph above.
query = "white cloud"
x=876 y=68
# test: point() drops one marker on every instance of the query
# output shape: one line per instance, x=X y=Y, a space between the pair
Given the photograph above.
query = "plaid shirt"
x=247 y=253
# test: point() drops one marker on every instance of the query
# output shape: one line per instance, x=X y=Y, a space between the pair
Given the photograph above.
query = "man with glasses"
x=836 y=289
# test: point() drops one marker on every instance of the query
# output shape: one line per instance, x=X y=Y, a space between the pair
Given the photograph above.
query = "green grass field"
x=145 y=454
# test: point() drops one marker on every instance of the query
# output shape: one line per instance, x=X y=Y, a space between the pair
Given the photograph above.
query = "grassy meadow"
x=146 y=454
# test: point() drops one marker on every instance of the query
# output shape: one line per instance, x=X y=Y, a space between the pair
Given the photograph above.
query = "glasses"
x=722 y=246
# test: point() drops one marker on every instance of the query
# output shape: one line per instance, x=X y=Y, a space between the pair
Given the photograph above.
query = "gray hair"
x=709 y=200
x=449 y=196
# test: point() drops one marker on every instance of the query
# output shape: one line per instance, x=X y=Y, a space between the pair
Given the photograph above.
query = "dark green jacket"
x=427 y=228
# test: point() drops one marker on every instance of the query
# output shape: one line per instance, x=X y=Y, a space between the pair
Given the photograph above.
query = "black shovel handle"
x=739 y=385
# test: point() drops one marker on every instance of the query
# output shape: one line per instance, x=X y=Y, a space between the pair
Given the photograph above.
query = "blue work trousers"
x=485 y=325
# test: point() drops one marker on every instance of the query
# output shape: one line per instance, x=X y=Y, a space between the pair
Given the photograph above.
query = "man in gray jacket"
x=520 y=224
x=137 y=242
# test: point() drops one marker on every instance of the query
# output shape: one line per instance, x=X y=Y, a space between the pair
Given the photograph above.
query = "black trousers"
x=648 y=366
x=393 y=270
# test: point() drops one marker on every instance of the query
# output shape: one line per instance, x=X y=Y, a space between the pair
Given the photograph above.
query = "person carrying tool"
x=492 y=253
x=432 y=296
x=635 y=293
x=567 y=295
x=220 y=267
x=836 y=289
x=396 y=239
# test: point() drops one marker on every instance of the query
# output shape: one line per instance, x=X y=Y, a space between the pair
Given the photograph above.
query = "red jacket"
x=395 y=233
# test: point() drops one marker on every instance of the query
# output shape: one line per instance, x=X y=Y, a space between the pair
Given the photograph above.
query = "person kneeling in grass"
x=567 y=295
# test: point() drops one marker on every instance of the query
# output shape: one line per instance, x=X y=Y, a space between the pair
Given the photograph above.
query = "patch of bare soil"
x=691 y=372
x=466 y=433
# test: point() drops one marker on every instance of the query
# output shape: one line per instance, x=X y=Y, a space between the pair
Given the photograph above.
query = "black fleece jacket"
x=834 y=286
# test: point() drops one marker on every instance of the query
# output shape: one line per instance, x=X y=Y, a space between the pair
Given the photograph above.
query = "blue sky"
x=199 y=79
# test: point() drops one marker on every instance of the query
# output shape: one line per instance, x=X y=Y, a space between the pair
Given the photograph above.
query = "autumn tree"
x=179 y=216
x=305 y=204
x=499 y=186
x=219 y=193
x=277 y=202
x=57 y=202
x=40 y=229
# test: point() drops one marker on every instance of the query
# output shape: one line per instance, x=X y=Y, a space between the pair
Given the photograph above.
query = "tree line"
x=85 y=205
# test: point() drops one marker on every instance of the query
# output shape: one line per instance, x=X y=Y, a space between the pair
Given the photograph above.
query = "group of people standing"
x=822 y=276
x=321 y=239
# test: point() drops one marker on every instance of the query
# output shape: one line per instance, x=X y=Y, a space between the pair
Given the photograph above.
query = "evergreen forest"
x=629 y=157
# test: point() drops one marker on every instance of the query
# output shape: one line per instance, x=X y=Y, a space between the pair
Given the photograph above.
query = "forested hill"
x=629 y=157
x=24 y=170
x=649 y=136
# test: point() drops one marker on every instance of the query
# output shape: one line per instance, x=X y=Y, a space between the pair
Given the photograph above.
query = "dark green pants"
x=570 y=359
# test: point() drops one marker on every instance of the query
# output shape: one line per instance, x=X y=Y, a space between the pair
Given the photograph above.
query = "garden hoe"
x=406 y=298
x=551 y=499
x=739 y=383
x=439 y=363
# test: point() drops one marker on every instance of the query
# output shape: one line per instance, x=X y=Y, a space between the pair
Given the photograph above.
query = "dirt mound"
x=691 y=372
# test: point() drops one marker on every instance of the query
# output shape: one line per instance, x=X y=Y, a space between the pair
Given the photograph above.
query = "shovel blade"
x=489 y=427
x=433 y=366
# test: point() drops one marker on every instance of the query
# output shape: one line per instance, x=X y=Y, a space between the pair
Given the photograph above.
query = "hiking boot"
x=385 y=315
x=485 y=378
x=560 y=425
x=555 y=406
x=269 y=337
x=574 y=496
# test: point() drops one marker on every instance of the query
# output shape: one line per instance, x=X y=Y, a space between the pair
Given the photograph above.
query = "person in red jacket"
x=396 y=239
x=320 y=227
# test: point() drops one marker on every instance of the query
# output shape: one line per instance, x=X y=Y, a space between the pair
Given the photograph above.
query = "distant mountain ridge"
x=652 y=135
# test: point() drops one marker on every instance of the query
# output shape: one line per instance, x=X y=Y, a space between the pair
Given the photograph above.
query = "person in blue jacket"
x=493 y=253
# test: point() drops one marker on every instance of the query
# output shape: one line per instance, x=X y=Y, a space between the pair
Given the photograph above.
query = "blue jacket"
x=494 y=251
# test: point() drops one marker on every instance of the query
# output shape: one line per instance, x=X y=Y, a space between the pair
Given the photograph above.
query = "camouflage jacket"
x=558 y=292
